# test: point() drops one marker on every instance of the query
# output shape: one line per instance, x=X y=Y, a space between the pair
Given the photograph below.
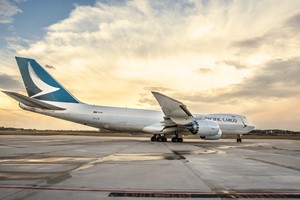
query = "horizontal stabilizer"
x=31 y=102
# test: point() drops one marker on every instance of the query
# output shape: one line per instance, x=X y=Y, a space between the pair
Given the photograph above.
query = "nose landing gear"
x=239 y=138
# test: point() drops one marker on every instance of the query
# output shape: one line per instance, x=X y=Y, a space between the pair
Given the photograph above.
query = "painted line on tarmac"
x=168 y=193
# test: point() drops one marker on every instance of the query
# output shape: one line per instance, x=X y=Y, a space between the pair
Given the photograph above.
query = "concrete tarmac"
x=81 y=167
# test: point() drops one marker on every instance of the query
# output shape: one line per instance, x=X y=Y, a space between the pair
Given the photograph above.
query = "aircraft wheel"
x=164 y=139
x=158 y=139
x=153 y=138
x=174 y=139
x=180 y=140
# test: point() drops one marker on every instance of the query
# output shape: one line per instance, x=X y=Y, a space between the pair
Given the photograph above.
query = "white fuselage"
x=47 y=96
x=133 y=120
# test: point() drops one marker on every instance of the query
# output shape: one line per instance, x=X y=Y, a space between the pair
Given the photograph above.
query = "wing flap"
x=167 y=122
x=159 y=128
x=31 y=102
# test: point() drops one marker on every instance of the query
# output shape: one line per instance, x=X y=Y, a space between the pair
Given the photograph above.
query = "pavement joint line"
x=276 y=164
x=185 y=163
x=13 y=193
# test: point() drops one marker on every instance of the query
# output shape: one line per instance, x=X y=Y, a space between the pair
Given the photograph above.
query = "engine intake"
x=204 y=128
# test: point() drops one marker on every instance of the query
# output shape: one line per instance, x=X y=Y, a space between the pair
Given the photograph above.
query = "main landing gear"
x=239 y=138
x=162 y=138
x=158 y=138
x=176 y=138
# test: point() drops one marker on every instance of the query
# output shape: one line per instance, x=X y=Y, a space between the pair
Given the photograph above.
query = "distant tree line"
x=2 y=128
x=274 y=132
x=24 y=129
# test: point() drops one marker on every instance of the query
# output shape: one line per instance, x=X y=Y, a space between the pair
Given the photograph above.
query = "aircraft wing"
x=174 y=110
x=31 y=101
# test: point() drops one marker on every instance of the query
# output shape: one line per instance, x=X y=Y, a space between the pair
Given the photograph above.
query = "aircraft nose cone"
x=250 y=127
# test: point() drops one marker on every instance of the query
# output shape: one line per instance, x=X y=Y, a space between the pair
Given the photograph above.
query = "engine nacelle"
x=204 y=128
x=214 y=137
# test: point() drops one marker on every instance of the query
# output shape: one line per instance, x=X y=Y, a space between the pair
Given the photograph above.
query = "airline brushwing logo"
x=44 y=87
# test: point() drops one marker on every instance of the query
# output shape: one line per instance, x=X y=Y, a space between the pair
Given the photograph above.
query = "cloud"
x=157 y=89
x=149 y=42
x=141 y=43
x=49 y=67
x=14 y=42
x=9 y=83
x=7 y=11
x=115 y=53
x=277 y=79
x=204 y=70
x=280 y=39
x=251 y=43
x=235 y=63
x=146 y=97
x=294 y=21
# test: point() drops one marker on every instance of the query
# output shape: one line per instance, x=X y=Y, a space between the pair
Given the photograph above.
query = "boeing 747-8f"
x=47 y=96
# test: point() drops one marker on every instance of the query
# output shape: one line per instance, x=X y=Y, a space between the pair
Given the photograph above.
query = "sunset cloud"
x=9 y=83
x=7 y=11
x=216 y=56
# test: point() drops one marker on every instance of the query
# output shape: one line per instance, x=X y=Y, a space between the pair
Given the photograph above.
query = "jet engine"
x=213 y=137
x=204 y=128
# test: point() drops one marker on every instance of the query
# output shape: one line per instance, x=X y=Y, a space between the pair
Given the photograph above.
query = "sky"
x=215 y=56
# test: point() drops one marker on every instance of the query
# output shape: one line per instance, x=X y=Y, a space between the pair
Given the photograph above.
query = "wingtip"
x=155 y=92
x=7 y=92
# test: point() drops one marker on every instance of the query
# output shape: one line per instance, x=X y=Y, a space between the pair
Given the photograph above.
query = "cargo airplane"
x=47 y=96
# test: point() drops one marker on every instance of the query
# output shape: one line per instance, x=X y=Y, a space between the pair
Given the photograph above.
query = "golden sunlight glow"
x=218 y=56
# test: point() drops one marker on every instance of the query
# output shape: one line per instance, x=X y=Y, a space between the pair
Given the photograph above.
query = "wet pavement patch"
x=51 y=177
x=59 y=178
x=179 y=156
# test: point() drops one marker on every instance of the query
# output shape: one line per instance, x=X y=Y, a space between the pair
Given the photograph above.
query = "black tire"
x=159 y=139
x=174 y=139
x=180 y=140
x=153 y=138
